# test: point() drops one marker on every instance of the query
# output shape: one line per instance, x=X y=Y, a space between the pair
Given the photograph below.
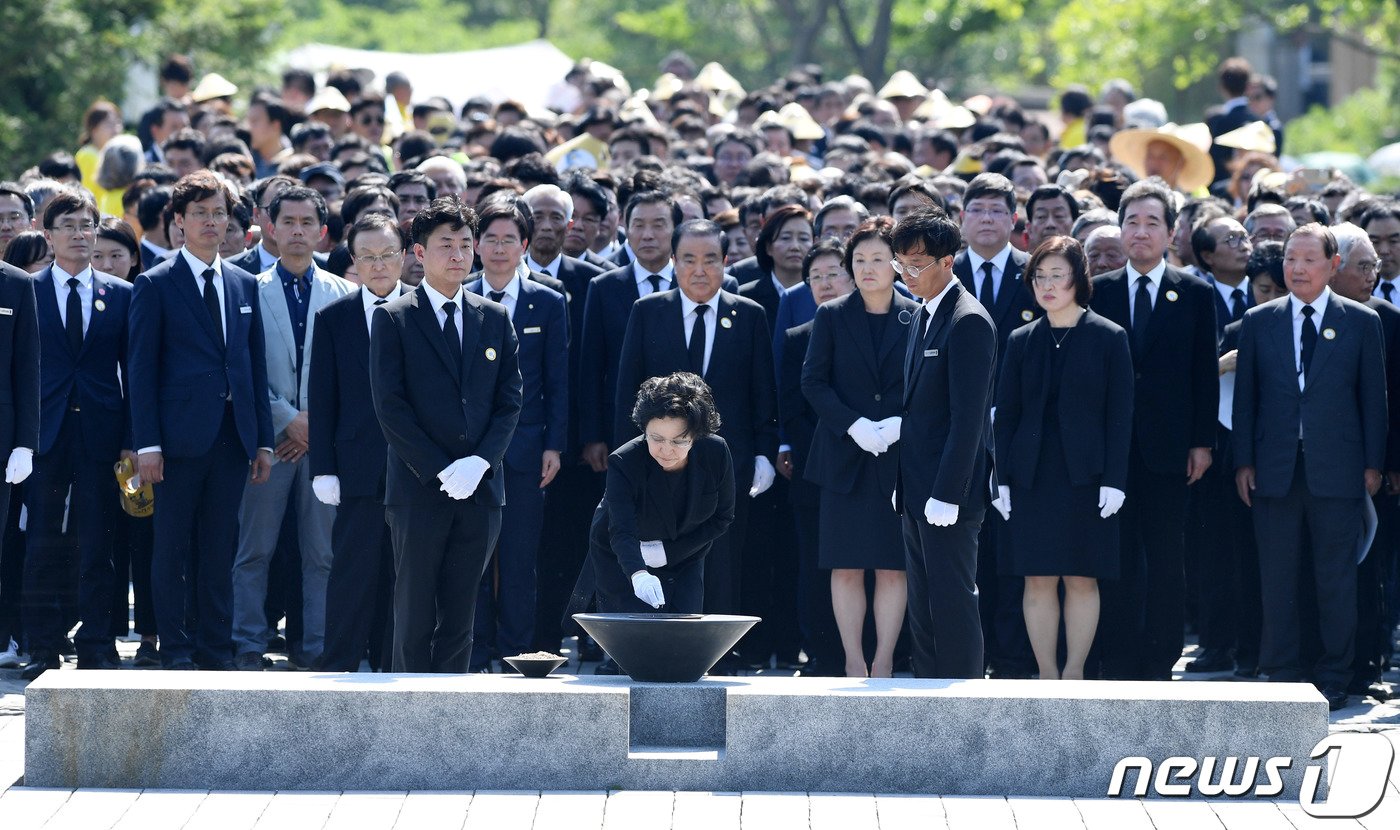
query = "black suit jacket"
x=948 y=371
x=1015 y=305
x=766 y=294
x=740 y=372
x=1390 y=331
x=1221 y=123
x=1341 y=409
x=846 y=378
x=96 y=370
x=1176 y=397
x=638 y=506
x=1222 y=309
x=602 y=263
x=746 y=270
x=346 y=439
x=576 y=275
x=149 y=257
x=19 y=361
x=251 y=261
x=1094 y=403
x=797 y=419
x=431 y=416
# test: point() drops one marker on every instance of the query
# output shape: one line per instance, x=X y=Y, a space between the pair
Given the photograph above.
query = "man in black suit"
x=1221 y=245
x=724 y=339
x=590 y=204
x=990 y=269
x=446 y=388
x=200 y=417
x=150 y=212
x=16 y=212
x=262 y=256
x=83 y=431
x=505 y=612
x=348 y=453
x=19 y=423
x=943 y=483
x=1354 y=280
x=1233 y=75
x=1310 y=440
x=1170 y=319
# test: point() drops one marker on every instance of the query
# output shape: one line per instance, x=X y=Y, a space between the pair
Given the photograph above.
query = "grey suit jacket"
x=286 y=395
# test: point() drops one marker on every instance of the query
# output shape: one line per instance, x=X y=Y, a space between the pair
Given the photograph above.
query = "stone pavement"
x=22 y=808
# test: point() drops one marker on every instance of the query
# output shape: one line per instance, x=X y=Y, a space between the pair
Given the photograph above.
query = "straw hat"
x=1252 y=137
x=714 y=78
x=328 y=98
x=213 y=86
x=938 y=111
x=800 y=123
x=903 y=84
x=666 y=87
x=1192 y=140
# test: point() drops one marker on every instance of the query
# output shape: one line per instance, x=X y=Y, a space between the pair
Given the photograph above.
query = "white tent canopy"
x=523 y=72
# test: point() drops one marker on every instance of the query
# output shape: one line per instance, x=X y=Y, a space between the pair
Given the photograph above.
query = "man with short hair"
x=298 y=88
x=290 y=295
x=942 y=486
x=1381 y=222
x=505 y=617
x=184 y=151
x=19 y=422
x=201 y=420
x=82 y=317
x=1233 y=76
x=150 y=210
x=348 y=451
x=1269 y=223
x=1170 y=318
x=1310 y=442
x=268 y=119
x=167 y=117
x=16 y=212
x=1050 y=211
x=591 y=204
x=1104 y=250
x=263 y=256
x=447 y=389
x=415 y=192
x=1222 y=247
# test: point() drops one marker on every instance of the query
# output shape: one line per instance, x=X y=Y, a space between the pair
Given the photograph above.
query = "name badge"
x=930 y=353
x=7 y=312
x=531 y=330
x=245 y=309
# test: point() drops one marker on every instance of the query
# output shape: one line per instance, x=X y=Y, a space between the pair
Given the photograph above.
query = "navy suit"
x=948 y=370
x=19 y=413
x=1014 y=305
x=505 y=617
x=432 y=416
x=83 y=428
x=1176 y=399
x=205 y=405
x=1309 y=449
x=1224 y=315
x=1221 y=123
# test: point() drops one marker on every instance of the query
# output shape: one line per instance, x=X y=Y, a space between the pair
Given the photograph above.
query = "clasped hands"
x=461 y=478
x=875 y=436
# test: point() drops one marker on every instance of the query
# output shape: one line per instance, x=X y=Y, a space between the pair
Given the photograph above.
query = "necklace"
x=1060 y=340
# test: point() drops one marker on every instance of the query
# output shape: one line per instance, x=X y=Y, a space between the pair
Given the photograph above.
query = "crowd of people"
x=954 y=388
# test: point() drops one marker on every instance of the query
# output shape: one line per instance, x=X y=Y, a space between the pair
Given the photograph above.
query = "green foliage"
x=1361 y=124
x=400 y=26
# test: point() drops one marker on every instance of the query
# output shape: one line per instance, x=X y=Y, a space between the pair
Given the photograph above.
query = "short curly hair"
x=678 y=395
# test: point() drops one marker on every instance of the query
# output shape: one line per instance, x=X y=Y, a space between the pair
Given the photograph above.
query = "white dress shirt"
x=265 y=259
x=998 y=262
x=688 y=317
x=438 y=300
x=1227 y=291
x=641 y=275
x=61 y=289
x=199 y=267
x=551 y=269
x=372 y=302
x=512 y=293
x=931 y=305
x=1153 y=286
x=1296 y=305
x=1394 y=283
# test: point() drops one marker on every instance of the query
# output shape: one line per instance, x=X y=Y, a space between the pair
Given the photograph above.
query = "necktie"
x=655 y=282
x=984 y=294
x=1307 y=341
x=1142 y=313
x=697 y=341
x=211 y=302
x=496 y=296
x=454 y=340
x=916 y=337
x=1388 y=292
x=380 y=302
x=1236 y=304
x=74 y=324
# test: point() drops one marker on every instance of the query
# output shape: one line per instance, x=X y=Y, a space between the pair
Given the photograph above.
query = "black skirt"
x=859 y=529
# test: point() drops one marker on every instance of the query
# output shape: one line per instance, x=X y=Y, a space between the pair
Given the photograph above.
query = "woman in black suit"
x=1063 y=425
x=854 y=378
x=669 y=495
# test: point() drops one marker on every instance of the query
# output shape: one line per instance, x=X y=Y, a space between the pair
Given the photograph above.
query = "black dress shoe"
x=68 y=649
x=248 y=661
x=146 y=656
x=99 y=662
x=1246 y=671
x=277 y=645
x=38 y=666
x=1336 y=697
x=1212 y=659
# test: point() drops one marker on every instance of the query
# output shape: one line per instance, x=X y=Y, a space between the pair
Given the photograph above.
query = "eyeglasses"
x=499 y=242
x=910 y=270
x=988 y=213
x=1235 y=240
x=13 y=218
x=201 y=215
x=816 y=278
x=83 y=228
x=379 y=259
x=678 y=443
x=1369 y=266
x=1051 y=280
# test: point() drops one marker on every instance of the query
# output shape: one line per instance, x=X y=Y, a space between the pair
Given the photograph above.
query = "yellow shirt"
x=87 y=157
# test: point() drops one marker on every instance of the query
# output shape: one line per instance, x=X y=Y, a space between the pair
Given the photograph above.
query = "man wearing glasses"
x=1222 y=247
x=16 y=212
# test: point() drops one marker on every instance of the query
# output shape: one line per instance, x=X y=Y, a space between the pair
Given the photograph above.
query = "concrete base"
x=232 y=731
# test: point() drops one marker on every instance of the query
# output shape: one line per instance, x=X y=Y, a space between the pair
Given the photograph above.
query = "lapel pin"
x=531 y=306
x=101 y=292
x=101 y=306
x=724 y=322
x=1027 y=315
x=1329 y=334
x=905 y=317
x=1171 y=296
x=490 y=354
x=733 y=312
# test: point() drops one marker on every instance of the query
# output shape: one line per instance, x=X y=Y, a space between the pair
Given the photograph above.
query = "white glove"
x=763 y=474
x=20 y=466
x=1003 y=502
x=867 y=436
x=648 y=589
x=1111 y=500
x=462 y=476
x=894 y=501
x=889 y=429
x=327 y=489
x=940 y=513
x=654 y=554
